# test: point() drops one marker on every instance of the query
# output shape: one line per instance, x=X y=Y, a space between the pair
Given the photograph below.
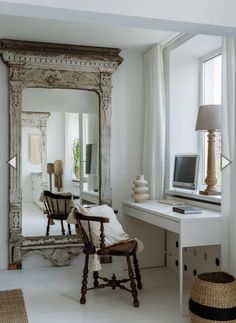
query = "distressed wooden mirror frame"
x=44 y=65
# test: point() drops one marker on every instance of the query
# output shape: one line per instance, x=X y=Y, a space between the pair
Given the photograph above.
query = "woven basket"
x=213 y=298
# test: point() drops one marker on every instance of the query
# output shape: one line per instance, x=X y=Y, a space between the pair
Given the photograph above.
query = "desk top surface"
x=164 y=210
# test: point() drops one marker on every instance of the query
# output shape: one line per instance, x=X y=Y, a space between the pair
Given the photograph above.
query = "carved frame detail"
x=43 y=65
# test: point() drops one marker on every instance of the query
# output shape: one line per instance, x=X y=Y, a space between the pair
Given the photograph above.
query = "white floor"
x=34 y=222
x=52 y=295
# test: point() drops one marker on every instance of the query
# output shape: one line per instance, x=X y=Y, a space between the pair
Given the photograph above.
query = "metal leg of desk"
x=181 y=280
x=183 y=294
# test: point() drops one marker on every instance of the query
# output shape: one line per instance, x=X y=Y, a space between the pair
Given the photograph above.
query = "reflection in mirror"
x=60 y=152
x=90 y=178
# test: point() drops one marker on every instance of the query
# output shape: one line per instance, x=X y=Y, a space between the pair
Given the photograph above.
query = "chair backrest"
x=59 y=204
x=87 y=236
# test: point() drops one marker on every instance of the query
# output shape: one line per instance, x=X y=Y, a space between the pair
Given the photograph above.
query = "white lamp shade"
x=209 y=117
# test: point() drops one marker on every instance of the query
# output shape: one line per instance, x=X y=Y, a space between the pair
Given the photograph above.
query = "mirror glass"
x=60 y=151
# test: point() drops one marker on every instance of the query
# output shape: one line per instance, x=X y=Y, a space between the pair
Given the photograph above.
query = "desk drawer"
x=201 y=233
x=152 y=218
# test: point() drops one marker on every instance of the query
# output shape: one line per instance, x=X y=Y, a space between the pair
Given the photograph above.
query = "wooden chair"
x=58 y=207
x=126 y=249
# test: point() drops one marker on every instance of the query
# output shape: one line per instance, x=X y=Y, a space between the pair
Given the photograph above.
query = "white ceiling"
x=215 y=17
x=104 y=35
x=35 y=29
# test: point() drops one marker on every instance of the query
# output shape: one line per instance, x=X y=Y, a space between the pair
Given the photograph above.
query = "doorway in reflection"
x=60 y=151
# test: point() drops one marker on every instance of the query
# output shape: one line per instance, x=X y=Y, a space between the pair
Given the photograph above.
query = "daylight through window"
x=211 y=90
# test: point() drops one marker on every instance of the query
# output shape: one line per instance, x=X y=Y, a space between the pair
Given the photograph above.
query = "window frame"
x=201 y=139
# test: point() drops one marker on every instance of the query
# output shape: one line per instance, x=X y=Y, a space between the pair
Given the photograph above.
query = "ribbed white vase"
x=140 y=189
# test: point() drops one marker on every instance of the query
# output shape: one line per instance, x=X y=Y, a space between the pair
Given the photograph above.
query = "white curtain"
x=155 y=122
x=229 y=150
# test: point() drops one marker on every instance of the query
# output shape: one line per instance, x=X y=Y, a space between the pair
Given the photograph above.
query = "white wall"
x=127 y=131
x=184 y=100
x=60 y=100
x=56 y=137
x=127 y=139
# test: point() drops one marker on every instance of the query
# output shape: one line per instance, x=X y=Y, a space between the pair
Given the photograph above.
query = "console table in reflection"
x=36 y=181
x=90 y=197
x=193 y=229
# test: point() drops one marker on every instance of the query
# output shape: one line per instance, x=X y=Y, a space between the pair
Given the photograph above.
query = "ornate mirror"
x=33 y=69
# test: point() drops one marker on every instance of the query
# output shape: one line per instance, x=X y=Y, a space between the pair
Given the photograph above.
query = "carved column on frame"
x=105 y=137
x=15 y=238
x=15 y=139
x=15 y=215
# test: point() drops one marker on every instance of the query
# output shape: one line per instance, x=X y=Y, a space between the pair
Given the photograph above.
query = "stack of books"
x=187 y=209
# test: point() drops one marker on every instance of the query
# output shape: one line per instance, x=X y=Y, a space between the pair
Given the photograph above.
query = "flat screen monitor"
x=186 y=171
x=91 y=166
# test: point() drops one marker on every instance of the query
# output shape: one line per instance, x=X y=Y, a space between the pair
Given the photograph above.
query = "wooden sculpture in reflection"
x=58 y=171
x=50 y=171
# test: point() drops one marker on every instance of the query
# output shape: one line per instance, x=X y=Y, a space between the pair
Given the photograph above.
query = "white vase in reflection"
x=140 y=189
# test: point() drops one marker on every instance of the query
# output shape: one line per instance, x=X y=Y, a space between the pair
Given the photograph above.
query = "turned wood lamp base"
x=209 y=118
x=211 y=179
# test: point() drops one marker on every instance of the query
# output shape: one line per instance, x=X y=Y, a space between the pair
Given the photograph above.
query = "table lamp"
x=209 y=119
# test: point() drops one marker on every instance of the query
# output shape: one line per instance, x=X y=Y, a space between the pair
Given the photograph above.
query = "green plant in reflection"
x=76 y=156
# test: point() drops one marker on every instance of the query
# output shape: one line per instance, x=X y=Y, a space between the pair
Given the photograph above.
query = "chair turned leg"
x=69 y=229
x=95 y=277
x=48 y=227
x=137 y=272
x=62 y=228
x=132 y=283
x=84 y=281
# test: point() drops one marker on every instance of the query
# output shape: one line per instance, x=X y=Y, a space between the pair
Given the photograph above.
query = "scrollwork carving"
x=16 y=73
x=15 y=218
x=57 y=255
x=34 y=119
x=106 y=87
x=16 y=88
x=106 y=108
x=106 y=79
x=61 y=78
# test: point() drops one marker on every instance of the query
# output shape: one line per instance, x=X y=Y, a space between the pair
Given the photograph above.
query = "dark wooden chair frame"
x=126 y=249
x=53 y=212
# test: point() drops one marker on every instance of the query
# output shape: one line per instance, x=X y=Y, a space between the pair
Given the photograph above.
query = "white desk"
x=90 y=196
x=193 y=229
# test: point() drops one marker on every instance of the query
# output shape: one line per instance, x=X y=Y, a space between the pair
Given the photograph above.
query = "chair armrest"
x=101 y=219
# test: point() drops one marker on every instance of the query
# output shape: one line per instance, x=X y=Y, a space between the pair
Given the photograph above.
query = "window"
x=211 y=94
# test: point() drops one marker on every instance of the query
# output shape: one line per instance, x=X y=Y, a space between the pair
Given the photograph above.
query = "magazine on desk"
x=187 y=209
